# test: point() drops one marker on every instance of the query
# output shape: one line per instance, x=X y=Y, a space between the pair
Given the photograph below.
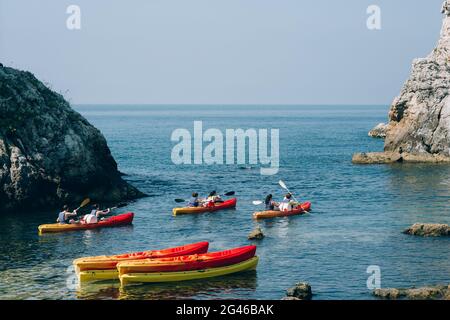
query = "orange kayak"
x=228 y=204
x=110 y=262
x=301 y=209
x=119 y=220
x=190 y=262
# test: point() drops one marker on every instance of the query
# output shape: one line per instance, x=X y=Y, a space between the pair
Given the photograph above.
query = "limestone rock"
x=425 y=293
x=301 y=291
x=256 y=234
x=50 y=154
x=376 y=157
x=419 y=118
x=428 y=230
x=379 y=131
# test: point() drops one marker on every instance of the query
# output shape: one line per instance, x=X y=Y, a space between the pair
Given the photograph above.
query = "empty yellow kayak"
x=98 y=275
x=128 y=278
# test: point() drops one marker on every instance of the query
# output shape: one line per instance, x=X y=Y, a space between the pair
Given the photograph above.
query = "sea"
x=352 y=236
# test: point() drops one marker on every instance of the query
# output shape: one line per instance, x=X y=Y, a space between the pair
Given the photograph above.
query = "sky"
x=219 y=51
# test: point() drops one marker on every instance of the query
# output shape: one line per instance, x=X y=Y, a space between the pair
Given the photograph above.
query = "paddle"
x=227 y=194
x=257 y=202
x=283 y=185
x=84 y=203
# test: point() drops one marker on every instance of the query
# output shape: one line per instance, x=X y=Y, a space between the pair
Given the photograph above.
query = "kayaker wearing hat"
x=65 y=215
x=287 y=204
x=270 y=204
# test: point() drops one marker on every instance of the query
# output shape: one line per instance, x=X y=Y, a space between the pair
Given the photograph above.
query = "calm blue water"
x=359 y=211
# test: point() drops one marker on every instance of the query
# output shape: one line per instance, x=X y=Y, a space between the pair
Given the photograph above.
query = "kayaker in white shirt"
x=95 y=215
x=288 y=203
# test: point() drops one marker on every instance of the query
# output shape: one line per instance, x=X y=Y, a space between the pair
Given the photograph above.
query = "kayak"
x=129 y=278
x=110 y=262
x=228 y=204
x=188 y=263
x=119 y=220
x=98 y=275
x=301 y=209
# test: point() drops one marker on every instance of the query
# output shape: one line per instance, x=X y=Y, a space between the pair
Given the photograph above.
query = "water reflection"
x=227 y=287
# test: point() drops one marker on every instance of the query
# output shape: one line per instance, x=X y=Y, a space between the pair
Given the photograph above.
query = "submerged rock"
x=379 y=131
x=425 y=293
x=256 y=234
x=428 y=230
x=301 y=291
x=419 y=118
x=50 y=154
x=376 y=157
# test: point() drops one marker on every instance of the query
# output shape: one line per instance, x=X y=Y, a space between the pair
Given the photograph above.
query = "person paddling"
x=194 y=201
x=270 y=204
x=99 y=213
x=64 y=217
x=95 y=215
x=213 y=196
x=212 y=199
x=288 y=203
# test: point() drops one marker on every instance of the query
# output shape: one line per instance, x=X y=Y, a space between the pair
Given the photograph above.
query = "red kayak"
x=119 y=220
x=189 y=263
x=110 y=262
x=228 y=204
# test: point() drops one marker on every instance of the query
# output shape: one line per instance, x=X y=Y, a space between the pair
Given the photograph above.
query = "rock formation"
x=379 y=131
x=425 y=293
x=428 y=230
x=256 y=234
x=419 y=118
x=50 y=154
x=301 y=291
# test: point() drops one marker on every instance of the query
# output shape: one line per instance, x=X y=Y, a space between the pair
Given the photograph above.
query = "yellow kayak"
x=128 y=278
x=98 y=275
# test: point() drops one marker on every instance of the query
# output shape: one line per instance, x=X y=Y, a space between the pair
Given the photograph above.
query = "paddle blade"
x=282 y=184
x=257 y=203
x=85 y=202
x=180 y=200
x=231 y=193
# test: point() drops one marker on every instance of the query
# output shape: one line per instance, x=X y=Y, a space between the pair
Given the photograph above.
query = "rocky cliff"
x=419 y=118
x=50 y=154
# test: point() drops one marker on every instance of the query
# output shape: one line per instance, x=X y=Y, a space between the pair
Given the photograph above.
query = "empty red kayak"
x=110 y=262
x=119 y=220
x=301 y=209
x=228 y=204
x=189 y=263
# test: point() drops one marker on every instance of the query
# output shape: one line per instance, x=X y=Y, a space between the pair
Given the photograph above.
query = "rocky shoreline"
x=50 y=154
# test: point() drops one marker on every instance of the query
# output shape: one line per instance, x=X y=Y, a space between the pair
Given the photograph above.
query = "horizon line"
x=230 y=105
